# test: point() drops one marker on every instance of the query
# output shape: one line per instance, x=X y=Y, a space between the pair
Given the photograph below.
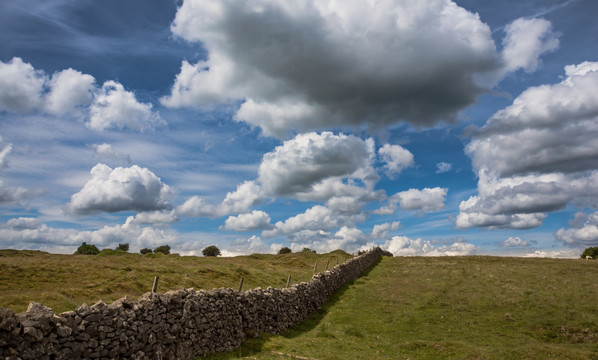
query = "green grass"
x=403 y=308
x=64 y=281
x=450 y=308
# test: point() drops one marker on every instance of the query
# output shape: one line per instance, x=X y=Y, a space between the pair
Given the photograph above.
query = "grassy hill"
x=64 y=281
x=450 y=308
x=403 y=308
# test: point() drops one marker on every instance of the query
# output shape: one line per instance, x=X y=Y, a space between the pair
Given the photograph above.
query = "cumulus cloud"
x=120 y=189
x=68 y=89
x=247 y=222
x=311 y=166
x=21 y=86
x=315 y=218
x=582 y=236
x=514 y=242
x=396 y=158
x=537 y=155
x=525 y=40
x=24 y=89
x=381 y=231
x=252 y=245
x=114 y=107
x=154 y=218
x=562 y=254
x=424 y=200
x=241 y=200
x=30 y=233
x=321 y=64
x=443 y=167
x=405 y=246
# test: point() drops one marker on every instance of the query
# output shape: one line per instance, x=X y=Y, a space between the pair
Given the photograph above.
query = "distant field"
x=64 y=281
x=404 y=308
x=450 y=308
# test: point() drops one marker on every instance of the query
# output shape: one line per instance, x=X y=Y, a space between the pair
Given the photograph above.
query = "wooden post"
x=240 y=284
x=289 y=281
x=336 y=261
x=315 y=267
x=327 y=263
x=155 y=286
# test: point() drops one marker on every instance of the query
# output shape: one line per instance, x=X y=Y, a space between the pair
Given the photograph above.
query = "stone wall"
x=174 y=325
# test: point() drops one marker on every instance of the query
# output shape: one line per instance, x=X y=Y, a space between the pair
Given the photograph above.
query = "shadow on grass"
x=254 y=346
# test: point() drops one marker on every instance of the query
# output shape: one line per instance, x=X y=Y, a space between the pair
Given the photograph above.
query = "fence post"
x=315 y=267
x=289 y=281
x=155 y=286
x=240 y=284
x=336 y=261
x=327 y=263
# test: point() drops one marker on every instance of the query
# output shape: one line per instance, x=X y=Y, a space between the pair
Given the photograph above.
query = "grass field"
x=403 y=308
x=64 y=281
x=450 y=308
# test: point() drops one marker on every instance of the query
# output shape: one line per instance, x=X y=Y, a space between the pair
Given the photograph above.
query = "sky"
x=427 y=128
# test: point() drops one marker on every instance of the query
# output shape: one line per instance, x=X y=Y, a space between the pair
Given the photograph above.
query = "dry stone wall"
x=174 y=325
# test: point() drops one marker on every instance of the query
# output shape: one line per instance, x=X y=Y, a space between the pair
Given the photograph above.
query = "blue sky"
x=427 y=128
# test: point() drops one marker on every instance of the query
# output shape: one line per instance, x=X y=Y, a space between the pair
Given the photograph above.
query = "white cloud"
x=120 y=189
x=315 y=218
x=562 y=254
x=247 y=222
x=153 y=218
x=21 y=86
x=525 y=40
x=443 y=167
x=30 y=233
x=427 y=199
x=301 y=166
x=396 y=158
x=405 y=246
x=114 y=107
x=4 y=156
x=321 y=64
x=381 y=231
x=514 y=242
x=583 y=236
x=537 y=155
x=68 y=89
x=241 y=200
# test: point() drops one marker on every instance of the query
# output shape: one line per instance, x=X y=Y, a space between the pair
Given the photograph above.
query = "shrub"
x=146 y=251
x=87 y=249
x=591 y=251
x=164 y=249
x=106 y=252
x=306 y=249
x=284 y=250
x=123 y=247
x=211 y=250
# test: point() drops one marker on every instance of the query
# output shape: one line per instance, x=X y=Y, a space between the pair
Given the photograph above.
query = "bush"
x=591 y=251
x=123 y=247
x=211 y=250
x=284 y=250
x=164 y=249
x=87 y=249
x=107 y=252
x=146 y=251
x=306 y=249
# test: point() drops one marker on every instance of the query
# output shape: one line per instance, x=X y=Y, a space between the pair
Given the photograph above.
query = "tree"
x=87 y=249
x=591 y=251
x=146 y=251
x=211 y=250
x=164 y=249
x=306 y=249
x=284 y=250
x=123 y=247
